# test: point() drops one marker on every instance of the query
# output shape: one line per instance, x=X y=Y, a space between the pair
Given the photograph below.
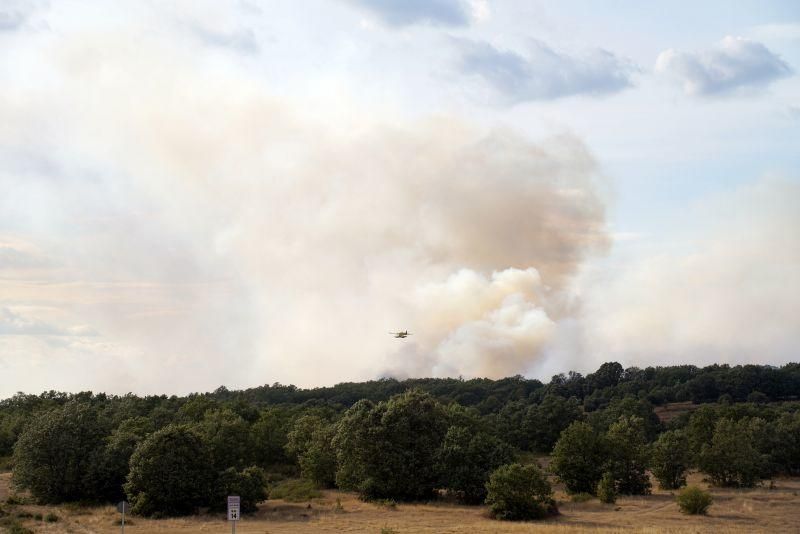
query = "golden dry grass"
x=758 y=510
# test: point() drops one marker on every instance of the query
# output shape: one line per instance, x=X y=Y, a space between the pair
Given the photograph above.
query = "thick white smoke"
x=212 y=232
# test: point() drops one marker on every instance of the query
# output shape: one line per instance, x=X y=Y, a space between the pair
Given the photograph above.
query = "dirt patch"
x=758 y=510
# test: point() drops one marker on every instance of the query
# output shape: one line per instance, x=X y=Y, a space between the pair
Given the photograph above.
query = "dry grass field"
x=759 y=510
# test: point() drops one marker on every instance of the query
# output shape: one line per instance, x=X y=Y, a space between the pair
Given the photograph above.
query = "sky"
x=203 y=193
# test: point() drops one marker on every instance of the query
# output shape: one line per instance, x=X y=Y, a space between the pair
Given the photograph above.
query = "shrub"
x=606 y=488
x=693 y=500
x=170 y=473
x=51 y=518
x=670 y=459
x=519 y=492
x=295 y=491
x=578 y=458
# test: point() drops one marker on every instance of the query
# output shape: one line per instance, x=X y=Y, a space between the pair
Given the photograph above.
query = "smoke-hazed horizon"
x=175 y=216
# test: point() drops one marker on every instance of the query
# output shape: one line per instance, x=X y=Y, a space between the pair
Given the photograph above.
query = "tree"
x=579 y=457
x=628 y=456
x=112 y=466
x=467 y=458
x=785 y=453
x=671 y=459
x=56 y=455
x=544 y=422
x=170 y=473
x=228 y=437
x=519 y=492
x=269 y=437
x=310 y=442
x=731 y=459
x=389 y=450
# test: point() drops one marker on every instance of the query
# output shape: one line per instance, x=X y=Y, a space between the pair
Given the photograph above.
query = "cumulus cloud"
x=406 y=12
x=733 y=64
x=731 y=295
x=544 y=73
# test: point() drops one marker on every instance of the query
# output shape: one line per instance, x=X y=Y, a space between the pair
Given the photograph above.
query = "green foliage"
x=51 y=518
x=731 y=459
x=578 y=458
x=670 y=459
x=56 y=455
x=228 y=438
x=169 y=473
x=269 y=434
x=310 y=442
x=607 y=488
x=249 y=484
x=544 y=422
x=467 y=458
x=628 y=456
x=581 y=497
x=785 y=449
x=389 y=450
x=112 y=465
x=294 y=490
x=519 y=492
x=693 y=500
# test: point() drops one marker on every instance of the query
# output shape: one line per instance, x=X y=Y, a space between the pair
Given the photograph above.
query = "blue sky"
x=205 y=193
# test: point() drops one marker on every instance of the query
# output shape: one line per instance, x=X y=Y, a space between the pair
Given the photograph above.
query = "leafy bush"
x=467 y=458
x=693 y=500
x=581 y=497
x=670 y=459
x=170 y=473
x=295 y=491
x=607 y=488
x=519 y=492
x=578 y=458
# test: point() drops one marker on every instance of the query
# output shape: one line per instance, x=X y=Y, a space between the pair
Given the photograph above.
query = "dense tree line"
x=409 y=440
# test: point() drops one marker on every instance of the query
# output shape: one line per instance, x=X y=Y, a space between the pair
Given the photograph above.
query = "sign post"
x=233 y=511
x=123 y=507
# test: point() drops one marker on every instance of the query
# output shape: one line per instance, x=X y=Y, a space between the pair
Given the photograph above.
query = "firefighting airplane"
x=401 y=335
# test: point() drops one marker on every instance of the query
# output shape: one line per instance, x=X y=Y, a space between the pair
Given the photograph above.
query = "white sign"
x=233 y=508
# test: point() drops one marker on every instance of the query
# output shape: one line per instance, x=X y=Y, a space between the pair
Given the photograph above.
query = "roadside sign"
x=233 y=508
x=123 y=508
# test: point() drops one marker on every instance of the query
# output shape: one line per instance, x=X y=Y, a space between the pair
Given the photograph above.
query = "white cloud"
x=733 y=64
x=544 y=73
